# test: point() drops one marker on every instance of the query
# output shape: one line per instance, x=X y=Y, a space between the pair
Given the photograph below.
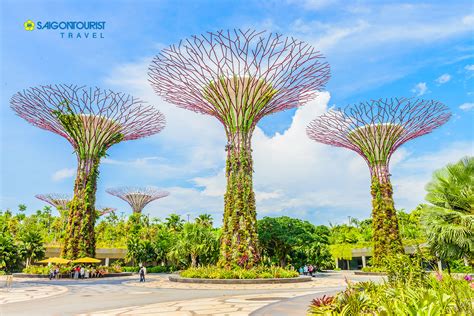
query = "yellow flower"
x=29 y=25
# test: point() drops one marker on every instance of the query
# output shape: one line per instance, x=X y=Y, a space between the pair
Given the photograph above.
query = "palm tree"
x=204 y=220
x=193 y=241
x=174 y=222
x=32 y=246
x=449 y=220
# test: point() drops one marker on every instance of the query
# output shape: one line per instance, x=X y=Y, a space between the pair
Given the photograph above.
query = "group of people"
x=80 y=272
x=307 y=269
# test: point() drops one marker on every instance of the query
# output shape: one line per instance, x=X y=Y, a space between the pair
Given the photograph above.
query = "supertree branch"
x=137 y=197
x=92 y=120
x=375 y=130
x=58 y=200
x=239 y=77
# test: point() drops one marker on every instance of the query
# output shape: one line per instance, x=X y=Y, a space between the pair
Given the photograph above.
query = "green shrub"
x=436 y=295
x=374 y=269
x=155 y=269
x=401 y=268
x=37 y=270
x=212 y=272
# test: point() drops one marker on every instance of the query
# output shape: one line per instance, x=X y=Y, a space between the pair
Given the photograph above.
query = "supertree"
x=58 y=200
x=101 y=211
x=92 y=120
x=239 y=77
x=137 y=197
x=375 y=130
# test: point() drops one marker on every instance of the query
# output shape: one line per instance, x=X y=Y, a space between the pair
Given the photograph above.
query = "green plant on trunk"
x=239 y=100
x=92 y=136
x=386 y=235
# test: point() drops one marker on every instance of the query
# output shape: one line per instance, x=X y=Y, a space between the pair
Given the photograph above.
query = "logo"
x=29 y=25
x=69 y=29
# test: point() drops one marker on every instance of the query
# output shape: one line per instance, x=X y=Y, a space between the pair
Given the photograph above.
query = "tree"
x=193 y=242
x=204 y=219
x=138 y=197
x=449 y=218
x=92 y=120
x=239 y=77
x=174 y=222
x=375 y=130
x=10 y=253
x=279 y=236
x=32 y=246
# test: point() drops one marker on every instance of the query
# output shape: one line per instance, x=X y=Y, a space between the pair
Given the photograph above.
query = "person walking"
x=83 y=272
x=305 y=269
x=310 y=270
x=51 y=273
x=142 y=274
x=76 y=272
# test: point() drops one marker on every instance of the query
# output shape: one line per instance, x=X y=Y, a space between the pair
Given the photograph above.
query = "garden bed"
x=369 y=273
x=176 y=278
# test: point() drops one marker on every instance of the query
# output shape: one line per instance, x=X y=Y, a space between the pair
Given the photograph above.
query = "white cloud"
x=420 y=88
x=469 y=67
x=467 y=106
x=443 y=78
x=63 y=174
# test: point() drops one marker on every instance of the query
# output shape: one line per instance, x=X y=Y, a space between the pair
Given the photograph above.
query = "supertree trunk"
x=80 y=235
x=386 y=236
x=239 y=243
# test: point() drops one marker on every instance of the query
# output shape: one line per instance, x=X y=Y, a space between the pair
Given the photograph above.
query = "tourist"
x=142 y=274
x=310 y=270
x=305 y=269
x=82 y=271
x=76 y=272
x=300 y=270
x=86 y=274
x=51 y=273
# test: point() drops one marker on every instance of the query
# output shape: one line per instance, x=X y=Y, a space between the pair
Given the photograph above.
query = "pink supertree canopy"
x=239 y=76
x=377 y=128
x=102 y=112
x=138 y=197
x=58 y=200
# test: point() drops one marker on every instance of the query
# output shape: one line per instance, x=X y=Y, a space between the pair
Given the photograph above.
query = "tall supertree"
x=58 y=200
x=92 y=120
x=375 y=130
x=239 y=77
x=138 y=197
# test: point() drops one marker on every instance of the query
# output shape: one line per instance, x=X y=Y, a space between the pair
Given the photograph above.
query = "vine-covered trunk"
x=239 y=243
x=387 y=240
x=79 y=240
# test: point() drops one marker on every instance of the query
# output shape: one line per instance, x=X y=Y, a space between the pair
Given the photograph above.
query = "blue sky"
x=375 y=48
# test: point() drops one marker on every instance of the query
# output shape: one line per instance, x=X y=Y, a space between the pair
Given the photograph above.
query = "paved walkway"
x=159 y=296
x=26 y=292
x=241 y=305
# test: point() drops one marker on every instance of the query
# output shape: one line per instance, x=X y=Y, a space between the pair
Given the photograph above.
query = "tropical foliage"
x=449 y=218
x=408 y=291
